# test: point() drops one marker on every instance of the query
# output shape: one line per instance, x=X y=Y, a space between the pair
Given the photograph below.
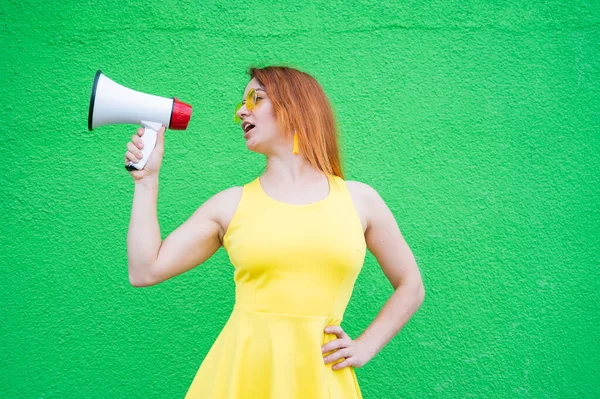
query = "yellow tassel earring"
x=295 y=143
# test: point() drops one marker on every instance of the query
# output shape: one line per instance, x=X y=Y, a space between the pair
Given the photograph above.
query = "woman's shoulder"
x=364 y=199
x=368 y=199
x=365 y=194
x=231 y=197
x=360 y=189
x=231 y=194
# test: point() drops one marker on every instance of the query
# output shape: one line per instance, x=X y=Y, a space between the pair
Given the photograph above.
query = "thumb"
x=160 y=138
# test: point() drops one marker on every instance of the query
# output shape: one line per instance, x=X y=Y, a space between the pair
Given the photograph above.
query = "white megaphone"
x=112 y=103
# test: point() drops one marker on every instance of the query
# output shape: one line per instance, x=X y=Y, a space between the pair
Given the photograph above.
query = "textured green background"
x=478 y=122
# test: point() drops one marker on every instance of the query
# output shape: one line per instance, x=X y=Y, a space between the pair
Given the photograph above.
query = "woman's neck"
x=291 y=169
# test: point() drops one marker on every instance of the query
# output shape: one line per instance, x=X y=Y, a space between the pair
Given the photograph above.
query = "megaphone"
x=112 y=103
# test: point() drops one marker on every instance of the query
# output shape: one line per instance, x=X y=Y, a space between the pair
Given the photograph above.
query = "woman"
x=297 y=236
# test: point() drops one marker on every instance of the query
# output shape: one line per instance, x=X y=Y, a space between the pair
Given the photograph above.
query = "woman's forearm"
x=394 y=314
x=143 y=238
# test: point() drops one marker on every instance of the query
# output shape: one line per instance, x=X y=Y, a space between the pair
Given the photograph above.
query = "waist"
x=330 y=318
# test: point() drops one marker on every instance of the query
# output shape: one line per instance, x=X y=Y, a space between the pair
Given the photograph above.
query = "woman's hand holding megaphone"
x=134 y=154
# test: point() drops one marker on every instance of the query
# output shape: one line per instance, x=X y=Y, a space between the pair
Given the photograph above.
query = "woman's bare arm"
x=143 y=237
x=385 y=242
x=152 y=261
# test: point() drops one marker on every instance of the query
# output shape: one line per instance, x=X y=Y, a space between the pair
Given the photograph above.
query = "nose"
x=243 y=111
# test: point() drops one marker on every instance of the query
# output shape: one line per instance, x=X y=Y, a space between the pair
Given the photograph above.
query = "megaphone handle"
x=149 y=139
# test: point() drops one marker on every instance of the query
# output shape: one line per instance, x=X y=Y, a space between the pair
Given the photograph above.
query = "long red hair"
x=300 y=105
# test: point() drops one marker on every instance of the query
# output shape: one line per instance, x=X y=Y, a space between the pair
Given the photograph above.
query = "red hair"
x=300 y=105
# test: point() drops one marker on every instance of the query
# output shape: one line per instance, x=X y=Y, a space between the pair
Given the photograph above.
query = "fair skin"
x=288 y=178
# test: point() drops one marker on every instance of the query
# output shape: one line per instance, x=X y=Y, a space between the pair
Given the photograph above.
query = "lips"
x=247 y=126
x=248 y=132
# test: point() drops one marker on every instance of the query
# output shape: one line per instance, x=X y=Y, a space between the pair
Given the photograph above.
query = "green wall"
x=478 y=123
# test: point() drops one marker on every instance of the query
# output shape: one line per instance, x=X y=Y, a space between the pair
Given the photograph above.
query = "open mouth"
x=247 y=127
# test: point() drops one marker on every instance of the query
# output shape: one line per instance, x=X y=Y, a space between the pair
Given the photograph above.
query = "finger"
x=337 y=330
x=132 y=157
x=332 y=345
x=137 y=140
x=140 y=131
x=342 y=353
x=160 y=137
x=134 y=150
x=348 y=362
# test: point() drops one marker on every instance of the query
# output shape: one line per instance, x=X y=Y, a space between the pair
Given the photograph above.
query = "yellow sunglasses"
x=251 y=99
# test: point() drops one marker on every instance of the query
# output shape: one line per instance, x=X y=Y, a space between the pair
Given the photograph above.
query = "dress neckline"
x=321 y=201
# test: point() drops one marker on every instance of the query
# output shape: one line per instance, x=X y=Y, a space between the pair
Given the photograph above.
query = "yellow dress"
x=295 y=268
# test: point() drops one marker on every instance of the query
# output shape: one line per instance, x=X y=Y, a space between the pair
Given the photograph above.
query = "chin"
x=254 y=147
x=251 y=145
